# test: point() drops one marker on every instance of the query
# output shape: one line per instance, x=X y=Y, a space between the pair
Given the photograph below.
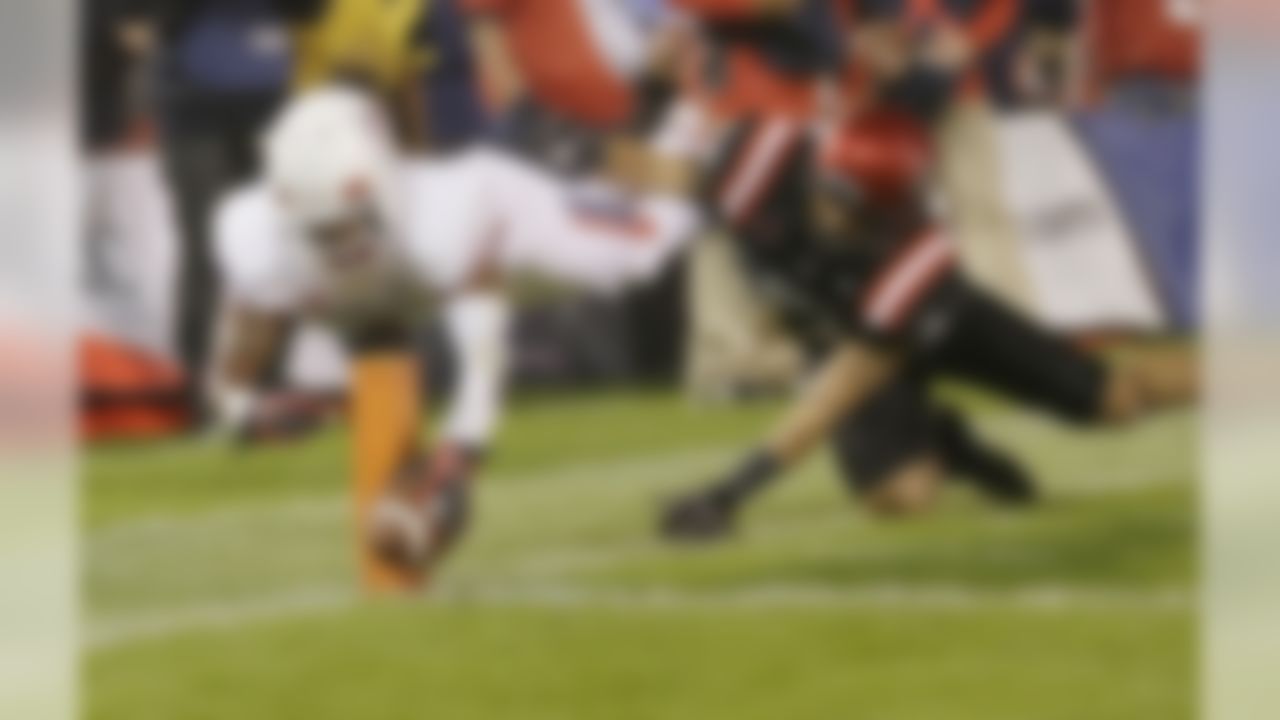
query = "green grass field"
x=219 y=585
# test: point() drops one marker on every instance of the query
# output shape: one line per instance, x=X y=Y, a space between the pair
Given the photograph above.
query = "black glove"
x=704 y=516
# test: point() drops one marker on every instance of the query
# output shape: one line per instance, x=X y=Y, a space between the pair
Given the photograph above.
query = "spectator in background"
x=110 y=121
x=221 y=68
x=1080 y=53
x=1142 y=49
x=560 y=74
x=584 y=79
x=1036 y=66
x=417 y=53
x=129 y=384
x=1126 y=74
x=380 y=45
x=1139 y=67
x=109 y=61
x=455 y=112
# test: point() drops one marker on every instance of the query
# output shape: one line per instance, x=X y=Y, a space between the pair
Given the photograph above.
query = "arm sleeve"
x=477 y=326
x=589 y=234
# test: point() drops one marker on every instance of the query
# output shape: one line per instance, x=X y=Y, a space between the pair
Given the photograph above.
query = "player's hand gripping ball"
x=423 y=514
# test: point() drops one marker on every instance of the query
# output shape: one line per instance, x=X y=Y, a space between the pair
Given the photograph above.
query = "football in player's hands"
x=698 y=517
x=423 y=514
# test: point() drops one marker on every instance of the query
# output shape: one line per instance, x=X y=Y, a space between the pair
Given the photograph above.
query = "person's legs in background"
x=733 y=345
x=985 y=232
x=201 y=167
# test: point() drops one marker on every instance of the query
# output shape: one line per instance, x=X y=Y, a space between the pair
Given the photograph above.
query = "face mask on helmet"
x=330 y=165
x=350 y=242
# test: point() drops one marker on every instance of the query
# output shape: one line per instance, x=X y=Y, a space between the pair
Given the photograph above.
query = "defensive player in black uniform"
x=767 y=60
x=836 y=224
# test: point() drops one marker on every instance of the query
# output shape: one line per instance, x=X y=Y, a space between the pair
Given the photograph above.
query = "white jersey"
x=479 y=209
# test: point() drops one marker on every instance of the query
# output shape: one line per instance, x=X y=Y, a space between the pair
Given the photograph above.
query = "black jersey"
x=890 y=279
x=877 y=280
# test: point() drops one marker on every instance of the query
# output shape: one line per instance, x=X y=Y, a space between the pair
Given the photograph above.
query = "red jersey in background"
x=1135 y=38
x=575 y=55
x=756 y=62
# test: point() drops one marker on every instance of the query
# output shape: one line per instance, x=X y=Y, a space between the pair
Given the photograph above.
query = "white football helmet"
x=330 y=158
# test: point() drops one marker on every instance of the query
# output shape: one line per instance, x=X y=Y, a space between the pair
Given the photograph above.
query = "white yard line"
x=115 y=633
x=895 y=597
x=522 y=591
x=333 y=505
x=159 y=624
x=1009 y=425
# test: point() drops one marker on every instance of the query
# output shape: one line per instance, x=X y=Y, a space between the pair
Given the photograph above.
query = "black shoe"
x=994 y=472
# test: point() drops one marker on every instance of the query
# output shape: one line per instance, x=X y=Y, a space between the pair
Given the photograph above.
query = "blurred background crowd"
x=1067 y=167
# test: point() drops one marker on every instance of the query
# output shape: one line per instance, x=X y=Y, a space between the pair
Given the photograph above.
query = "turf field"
x=218 y=585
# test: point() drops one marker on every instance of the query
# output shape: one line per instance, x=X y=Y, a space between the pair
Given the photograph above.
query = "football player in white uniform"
x=346 y=230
